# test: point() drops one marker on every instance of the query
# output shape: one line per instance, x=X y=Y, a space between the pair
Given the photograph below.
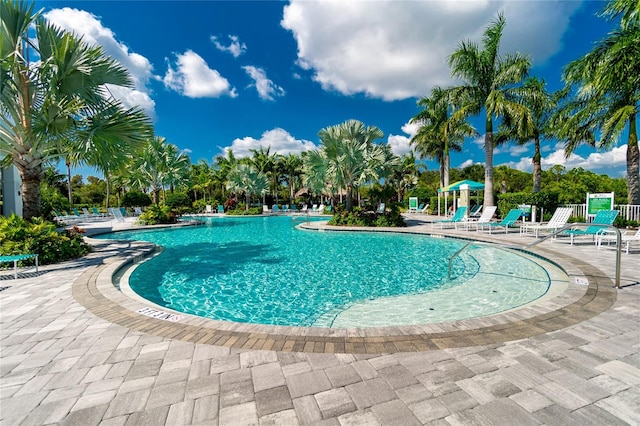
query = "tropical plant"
x=54 y=99
x=487 y=80
x=607 y=99
x=534 y=125
x=292 y=169
x=440 y=131
x=352 y=157
x=246 y=178
x=156 y=214
x=135 y=199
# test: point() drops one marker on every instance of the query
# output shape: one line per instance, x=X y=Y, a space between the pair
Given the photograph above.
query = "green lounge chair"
x=509 y=221
x=458 y=216
x=603 y=217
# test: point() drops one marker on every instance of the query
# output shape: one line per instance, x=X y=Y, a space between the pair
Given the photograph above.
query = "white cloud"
x=193 y=78
x=93 y=32
x=280 y=141
x=396 y=50
x=614 y=159
x=266 y=88
x=466 y=163
x=400 y=145
x=235 y=47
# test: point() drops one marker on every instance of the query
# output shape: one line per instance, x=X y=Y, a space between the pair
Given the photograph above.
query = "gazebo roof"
x=473 y=186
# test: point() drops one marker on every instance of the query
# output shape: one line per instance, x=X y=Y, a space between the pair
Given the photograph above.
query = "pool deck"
x=73 y=350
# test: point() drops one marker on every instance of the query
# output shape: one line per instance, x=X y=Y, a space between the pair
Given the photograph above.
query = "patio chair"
x=475 y=211
x=458 y=216
x=424 y=210
x=294 y=209
x=603 y=217
x=275 y=209
x=508 y=222
x=265 y=209
x=381 y=208
x=285 y=208
x=117 y=214
x=558 y=220
x=320 y=209
x=609 y=235
x=220 y=209
x=485 y=217
x=137 y=211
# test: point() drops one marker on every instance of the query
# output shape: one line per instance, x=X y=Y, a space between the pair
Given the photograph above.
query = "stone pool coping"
x=95 y=290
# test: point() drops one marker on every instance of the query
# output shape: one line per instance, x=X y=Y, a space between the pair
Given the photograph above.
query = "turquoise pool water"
x=262 y=270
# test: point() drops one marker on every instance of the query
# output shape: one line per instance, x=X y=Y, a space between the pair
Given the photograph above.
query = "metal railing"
x=627 y=211
x=302 y=218
x=559 y=231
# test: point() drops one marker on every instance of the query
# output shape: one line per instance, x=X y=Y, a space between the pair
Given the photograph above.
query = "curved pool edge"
x=95 y=290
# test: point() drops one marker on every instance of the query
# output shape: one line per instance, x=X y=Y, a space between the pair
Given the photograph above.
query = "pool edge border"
x=95 y=291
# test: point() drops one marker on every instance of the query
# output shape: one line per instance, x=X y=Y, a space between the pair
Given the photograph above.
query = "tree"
x=352 y=156
x=292 y=168
x=246 y=178
x=535 y=124
x=487 y=80
x=607 y=97
x=56 y=100
x=440 y=132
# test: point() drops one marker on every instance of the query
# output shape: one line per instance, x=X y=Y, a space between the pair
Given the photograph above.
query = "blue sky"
x=216 y=75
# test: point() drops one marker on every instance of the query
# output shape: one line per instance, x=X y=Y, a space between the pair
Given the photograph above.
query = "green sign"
x=413 y=203
x=597 y=202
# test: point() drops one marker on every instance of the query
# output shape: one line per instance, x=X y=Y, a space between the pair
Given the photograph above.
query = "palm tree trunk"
x=488 y=167
x=248 y=201
x=69 y=195
x=349 y=200
x=106 y=177
x=30 y=178
x=537 y=166
x=445 y=172
x=633 y=163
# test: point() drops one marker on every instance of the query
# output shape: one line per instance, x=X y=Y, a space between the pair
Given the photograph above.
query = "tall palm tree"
x=607 y=100
x=53 y=94
x=441 y=131
x=487 y=78
x=534 y=125
x=246 y=178
x=265 y=163
x=223 y=165
x=629 y=11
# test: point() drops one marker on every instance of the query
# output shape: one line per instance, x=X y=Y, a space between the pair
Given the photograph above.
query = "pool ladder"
x=564 y=228
x=305 y=218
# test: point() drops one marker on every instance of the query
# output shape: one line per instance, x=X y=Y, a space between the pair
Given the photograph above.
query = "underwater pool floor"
x=588 y=293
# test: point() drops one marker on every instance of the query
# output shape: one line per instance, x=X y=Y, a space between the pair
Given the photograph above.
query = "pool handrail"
x=553 y=234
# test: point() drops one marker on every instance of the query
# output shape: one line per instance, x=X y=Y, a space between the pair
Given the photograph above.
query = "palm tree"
x=292 y=169
x=440 y=131
x=223 y=165
x=352 y=156
x=56 y=100
x=534 y=125
x=246 y=178
x=628 y=10
x=487 y=80
x=607 y=100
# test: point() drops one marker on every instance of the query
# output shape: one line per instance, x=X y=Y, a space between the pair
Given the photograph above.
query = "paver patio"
x=74 y=351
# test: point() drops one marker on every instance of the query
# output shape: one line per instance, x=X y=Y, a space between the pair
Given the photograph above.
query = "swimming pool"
x=262 y=270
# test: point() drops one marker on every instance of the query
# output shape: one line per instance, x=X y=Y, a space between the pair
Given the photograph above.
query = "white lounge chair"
x=485 y=217
x=558 y=220
x=610 y=236
x=208 y=209
x=425 y=209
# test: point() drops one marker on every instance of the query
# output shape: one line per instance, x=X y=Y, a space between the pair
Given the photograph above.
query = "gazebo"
x=463 y=185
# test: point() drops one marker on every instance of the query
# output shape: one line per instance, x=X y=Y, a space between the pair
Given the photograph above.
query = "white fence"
x=627 y=211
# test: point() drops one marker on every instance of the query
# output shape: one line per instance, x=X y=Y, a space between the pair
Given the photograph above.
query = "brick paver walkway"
x=74 y=351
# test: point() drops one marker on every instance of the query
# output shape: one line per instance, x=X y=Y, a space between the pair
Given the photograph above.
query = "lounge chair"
x=65 y=219
x=604 y=217
x=275 y=209
x=294 y=209
x=117 y=214
x=558 y=220
x=381 y=208
x=609 y=235
x=314 y=208
x=475 y=211
x=285 y=208
x=425 y=209
x=17 y=258
x=320 y=209
x=96 y=212
x=458 y=216
x=137 y=211
x=265 y=209
x=220 y=209
x=305 y=208
x=485 y=217
x=508 y=222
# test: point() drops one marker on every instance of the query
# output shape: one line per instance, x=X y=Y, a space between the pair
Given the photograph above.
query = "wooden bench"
x=16 y=258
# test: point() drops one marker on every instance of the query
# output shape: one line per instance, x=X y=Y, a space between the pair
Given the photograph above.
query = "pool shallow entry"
x=261 y=270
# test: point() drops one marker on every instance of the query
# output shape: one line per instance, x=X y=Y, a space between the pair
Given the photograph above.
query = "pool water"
x=263 y=270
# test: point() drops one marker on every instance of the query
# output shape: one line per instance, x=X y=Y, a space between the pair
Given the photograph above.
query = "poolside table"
x=15 y=259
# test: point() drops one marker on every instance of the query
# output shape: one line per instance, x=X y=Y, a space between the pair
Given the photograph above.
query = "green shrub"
x=155 y=215
x=361 y=217
x=135 y=199
x=177 y=200
x=240 y=211
x=40 y=237
x=546 y=200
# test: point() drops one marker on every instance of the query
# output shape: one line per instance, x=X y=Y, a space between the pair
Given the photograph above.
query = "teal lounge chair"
x=220 y=209
x=17 y=258
x=458 y=216
x=275 y=209
x=603 y=217
x=509 y=221
x=381 y=208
